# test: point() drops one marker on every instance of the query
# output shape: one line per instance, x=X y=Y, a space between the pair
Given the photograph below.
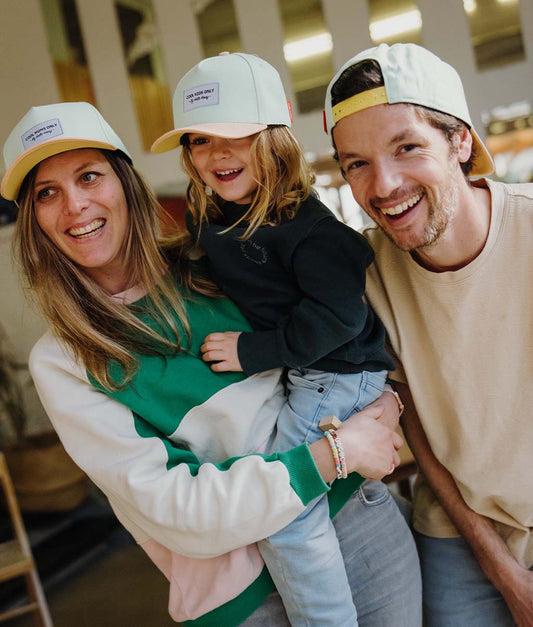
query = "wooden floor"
x=119 y=589
x=112 y=585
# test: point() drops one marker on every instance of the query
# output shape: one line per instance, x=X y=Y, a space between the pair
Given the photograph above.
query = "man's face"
x=402 y=171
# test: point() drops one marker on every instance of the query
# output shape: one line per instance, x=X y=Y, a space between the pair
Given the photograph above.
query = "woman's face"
x=80 y=205
x=225 y=165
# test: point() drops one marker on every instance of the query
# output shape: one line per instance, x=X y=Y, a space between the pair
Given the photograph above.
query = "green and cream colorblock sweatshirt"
x=178 y=454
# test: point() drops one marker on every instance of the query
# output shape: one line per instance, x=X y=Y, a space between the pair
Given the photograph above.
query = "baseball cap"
x=415 y=75
x=48 y=130
x=230 y=95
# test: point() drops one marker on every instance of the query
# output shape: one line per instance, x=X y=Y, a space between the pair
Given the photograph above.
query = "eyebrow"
x=83 y=166
x=395 y=139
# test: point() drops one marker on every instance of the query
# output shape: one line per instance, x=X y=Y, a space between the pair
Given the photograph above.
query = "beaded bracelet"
x=334 y=452
x=340 y=451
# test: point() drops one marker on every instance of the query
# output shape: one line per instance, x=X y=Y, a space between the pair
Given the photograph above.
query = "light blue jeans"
x=380 y=560
x=304 y=559
x=456 y=592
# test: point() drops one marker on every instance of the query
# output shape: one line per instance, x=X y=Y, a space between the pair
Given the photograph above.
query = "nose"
x=74 y=201
x=386 y=179
x=220 y=147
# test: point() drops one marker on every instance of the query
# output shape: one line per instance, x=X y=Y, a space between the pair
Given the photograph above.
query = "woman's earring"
x=208 y=191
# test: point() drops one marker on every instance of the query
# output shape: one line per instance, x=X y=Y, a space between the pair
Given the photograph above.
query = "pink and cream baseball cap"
x=415 y=75
x=48 y=130
x=231 y=95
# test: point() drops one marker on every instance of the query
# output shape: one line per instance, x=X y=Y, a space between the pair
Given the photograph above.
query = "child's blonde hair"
x=286 y=180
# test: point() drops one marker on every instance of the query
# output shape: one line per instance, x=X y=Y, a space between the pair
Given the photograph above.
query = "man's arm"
x=510 y=578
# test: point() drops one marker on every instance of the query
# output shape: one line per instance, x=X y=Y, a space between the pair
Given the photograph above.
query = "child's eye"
x=198 y=141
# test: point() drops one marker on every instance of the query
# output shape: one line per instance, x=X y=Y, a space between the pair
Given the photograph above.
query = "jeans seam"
x=367 y=503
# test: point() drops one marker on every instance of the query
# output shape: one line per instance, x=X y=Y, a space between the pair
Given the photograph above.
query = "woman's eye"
x=89 y=177
x=45 y=193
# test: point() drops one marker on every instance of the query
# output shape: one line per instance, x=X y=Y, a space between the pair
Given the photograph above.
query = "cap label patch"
x=200 y=96
x=42 y=132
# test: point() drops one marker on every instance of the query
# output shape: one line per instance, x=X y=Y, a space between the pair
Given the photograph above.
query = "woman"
x=172 y=444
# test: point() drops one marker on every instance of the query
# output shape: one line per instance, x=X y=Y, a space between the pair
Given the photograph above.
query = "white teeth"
x=85 y=230
x=226 y=172
x=394 y=211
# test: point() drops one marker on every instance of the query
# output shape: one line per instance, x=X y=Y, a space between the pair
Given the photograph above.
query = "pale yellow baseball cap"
x=48 y=130
x=411 y=74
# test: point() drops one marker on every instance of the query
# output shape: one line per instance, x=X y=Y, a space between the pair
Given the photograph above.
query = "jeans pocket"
x=373 y=493
x=309 y=379
x=375 y=380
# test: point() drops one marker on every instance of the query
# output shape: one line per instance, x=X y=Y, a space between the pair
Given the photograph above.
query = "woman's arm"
x=512 y=580
x=198 y=510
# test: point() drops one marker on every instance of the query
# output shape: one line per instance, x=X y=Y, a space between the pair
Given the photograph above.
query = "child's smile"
x=225 y=165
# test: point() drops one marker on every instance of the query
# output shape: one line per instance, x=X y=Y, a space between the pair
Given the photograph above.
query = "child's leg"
x=304 y=558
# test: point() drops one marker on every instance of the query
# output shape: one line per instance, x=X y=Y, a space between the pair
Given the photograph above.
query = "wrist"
x=401 y=406
x=321 y=454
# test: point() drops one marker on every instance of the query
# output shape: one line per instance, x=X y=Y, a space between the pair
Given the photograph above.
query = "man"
x=452 y=283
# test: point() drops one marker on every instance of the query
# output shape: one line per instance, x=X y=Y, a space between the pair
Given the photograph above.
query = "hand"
x=221 y=349
x=518 y=595
x=371 y=448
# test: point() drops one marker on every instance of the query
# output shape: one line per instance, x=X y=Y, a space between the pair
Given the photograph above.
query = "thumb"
x=374 y=411
x=397 y=441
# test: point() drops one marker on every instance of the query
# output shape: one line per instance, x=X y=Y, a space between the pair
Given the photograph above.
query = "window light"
x=308 y=47
x=395 y=25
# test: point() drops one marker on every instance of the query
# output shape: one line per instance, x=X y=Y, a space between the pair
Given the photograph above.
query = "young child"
x=298 y=275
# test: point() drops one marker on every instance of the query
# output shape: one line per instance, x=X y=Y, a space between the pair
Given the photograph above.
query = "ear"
x=464 y=145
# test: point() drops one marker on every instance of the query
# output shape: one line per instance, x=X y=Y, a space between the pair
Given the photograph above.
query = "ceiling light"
x=395 y=25
x=470 y=5
x=308 y=47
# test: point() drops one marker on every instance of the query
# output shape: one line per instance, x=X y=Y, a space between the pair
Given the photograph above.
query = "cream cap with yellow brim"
x=414 y=75
x=49 y=130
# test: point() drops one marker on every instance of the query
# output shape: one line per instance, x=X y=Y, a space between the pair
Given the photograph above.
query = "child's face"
x=225 y=165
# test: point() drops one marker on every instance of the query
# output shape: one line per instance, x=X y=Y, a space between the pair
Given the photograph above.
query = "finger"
x=397 y=440
x=209 y=346
x=373 y=411
x=220 y=366
x=213 y=355
x=214 y=337
x=396 y=459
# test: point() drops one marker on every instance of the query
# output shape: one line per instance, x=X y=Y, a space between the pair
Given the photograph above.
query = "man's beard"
x=440 y=212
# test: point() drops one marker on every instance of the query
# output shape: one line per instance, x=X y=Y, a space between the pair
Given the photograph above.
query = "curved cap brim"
x=16 y=174
x=228 y=130
x=483 y=163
